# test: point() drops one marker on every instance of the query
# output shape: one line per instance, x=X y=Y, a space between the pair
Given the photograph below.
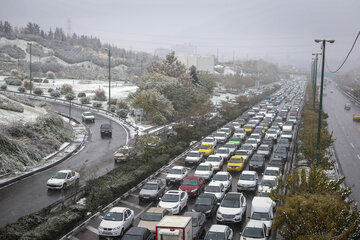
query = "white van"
x=262 y=210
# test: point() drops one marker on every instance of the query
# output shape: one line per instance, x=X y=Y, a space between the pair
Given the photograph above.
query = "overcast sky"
x=279 y=30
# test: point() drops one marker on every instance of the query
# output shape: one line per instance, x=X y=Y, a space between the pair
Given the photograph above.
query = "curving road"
x=346 y=133
x=95 y=159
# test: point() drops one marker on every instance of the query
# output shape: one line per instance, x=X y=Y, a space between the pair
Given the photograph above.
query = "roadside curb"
x=75 y=145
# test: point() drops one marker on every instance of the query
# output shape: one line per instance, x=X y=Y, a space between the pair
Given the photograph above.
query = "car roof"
x=216 y=184
x=218 y=228
x=192 y=177
x=272 y=168
x=193 y=214
x=222 y=173
x=207 y=195
x=233 y=195
x=177 y=167
x=156 y=210
x=267 y=177
x=65 y=171
x=174 y=192
x=255 y=224
x=248 y=172
x=204 y=164
x=118 y=209
x=194 y=151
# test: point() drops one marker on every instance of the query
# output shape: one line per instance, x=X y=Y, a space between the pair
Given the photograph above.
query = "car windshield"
x=113 y=216
x=251 y=141
x=106 y=126
x=271 y=172
x=240 y=131
x=206 y=201
x=287 y=133
x=150 y=186
x=235 y=139
x=213 y=159
x=190 y=182
x=247 y=147
x=262 y=216
x=88 y=114
x=175 y=171
x=230 y=203
x=235 y=160
x=208 y=140
x=271 y=132
x=268 y=182
x=193 y=154
x=281 y=150
x=170 y=198
x=251 y=232
x=247 y=126
x=220 y=134
x=241 y=152
x=205 y=147
x=284 y=141
x=220 y=177
x=257 y=158
x=149 y=216
x=132 y=237
x=230 y=145
x=223 y=151
x=249 y=177
x=263 y=148
x=60 y=175
x=203 y=168
x=276 y=162
x=212 y=189
x=215 y=236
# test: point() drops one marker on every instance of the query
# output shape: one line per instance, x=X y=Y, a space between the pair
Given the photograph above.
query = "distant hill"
x=83 y=57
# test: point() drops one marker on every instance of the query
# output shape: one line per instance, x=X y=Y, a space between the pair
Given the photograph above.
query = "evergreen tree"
x=7 y=28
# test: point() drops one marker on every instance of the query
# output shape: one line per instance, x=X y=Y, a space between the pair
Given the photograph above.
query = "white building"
x=201 y=62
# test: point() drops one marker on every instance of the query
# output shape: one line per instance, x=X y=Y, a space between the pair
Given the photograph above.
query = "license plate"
x=107 y=233
x=146 y=197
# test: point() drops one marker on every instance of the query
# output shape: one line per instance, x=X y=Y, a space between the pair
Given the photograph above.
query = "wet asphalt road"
x=346 y=133
x=95 y=159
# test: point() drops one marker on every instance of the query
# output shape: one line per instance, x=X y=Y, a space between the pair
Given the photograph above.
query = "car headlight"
x=117 y=228
x=194 y=190
x=101 y=228
x=177 y=205
x=219 y=215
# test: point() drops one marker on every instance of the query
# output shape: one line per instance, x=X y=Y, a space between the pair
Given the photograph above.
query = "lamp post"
x=108 y=49
x=323 y=43
x=315 y=76
x=30 y=68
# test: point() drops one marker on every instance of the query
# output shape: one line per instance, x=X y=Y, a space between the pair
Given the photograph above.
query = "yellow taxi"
x=248 y=128
x=235 y=164
x=356 y=117
x=206 y=149
x=265 y=125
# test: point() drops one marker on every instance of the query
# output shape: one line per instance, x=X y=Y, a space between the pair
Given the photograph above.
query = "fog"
x=282 y=31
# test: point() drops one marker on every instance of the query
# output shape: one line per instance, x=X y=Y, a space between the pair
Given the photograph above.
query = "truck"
x=174 y=228
x=288 y=126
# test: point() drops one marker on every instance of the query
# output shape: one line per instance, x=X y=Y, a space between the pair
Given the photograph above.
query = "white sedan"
x=116 y=221
x=174 y=201
x=63 y=179
x=224 y=152
x=204 y=170
x=223 y=177
x=177 y=174
x=216 y=161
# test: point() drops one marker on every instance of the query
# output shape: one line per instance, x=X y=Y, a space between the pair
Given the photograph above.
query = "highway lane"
x=346 y=133
x=95 y=159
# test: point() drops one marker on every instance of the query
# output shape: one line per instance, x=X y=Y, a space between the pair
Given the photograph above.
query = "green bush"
x=122 y=113
x=66 y=88
x=38 y=91
x=3 y=87
x=113 y=108
x=100 y=95
x=50 y=75
x=70 y=96
x=27 y=84
x=81 y=94
x=85 y=100
x=97 y=104
x=13 y=81
x=46 y=81
x=21 y=89
x=37 y=80
x=50 y=90
x=55 y=94
x=113 y=101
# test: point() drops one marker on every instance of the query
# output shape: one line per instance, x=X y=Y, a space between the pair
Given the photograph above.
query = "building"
x=201 y=62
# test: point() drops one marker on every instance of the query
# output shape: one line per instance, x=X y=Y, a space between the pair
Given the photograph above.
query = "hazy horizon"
x=279 y=31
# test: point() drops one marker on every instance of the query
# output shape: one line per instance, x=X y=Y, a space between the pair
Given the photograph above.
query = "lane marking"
x=92 y=229
x=352 y=145
x=131 y=204
x=147 y=207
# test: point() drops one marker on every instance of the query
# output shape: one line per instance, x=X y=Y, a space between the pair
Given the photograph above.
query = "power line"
x=346 y=56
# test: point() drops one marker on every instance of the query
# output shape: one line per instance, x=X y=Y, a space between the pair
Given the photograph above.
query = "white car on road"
x=174 y=200
x=88 y=117
x=177 y=174
x=116 y=221
x=204 y=170
x=223 y=177
x=216 y=161
x=63 y=179
x=216 y=188
x=224 y=152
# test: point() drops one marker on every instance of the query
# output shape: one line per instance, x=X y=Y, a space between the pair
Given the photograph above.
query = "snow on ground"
x=29 y=115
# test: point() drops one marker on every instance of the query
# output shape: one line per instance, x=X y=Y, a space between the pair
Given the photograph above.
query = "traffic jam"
x=220 y=189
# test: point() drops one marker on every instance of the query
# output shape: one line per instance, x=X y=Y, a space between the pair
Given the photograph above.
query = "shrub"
x=122 y=113
x=50 y=75
x=38 y=80
x=13 y=81
x=81 y=94
x=50 y=90
x=55 y=94
x=14 y=72
x=85 y=100
x=97 y=104
x=113 y=108
x=27 y=84
x=3 y=87
x=21 y=89
x=122 y=104
x=46 y=81
x=65 y=89
x=38 y=91
x=70 y=96
x=100 y=95
x=113 y=101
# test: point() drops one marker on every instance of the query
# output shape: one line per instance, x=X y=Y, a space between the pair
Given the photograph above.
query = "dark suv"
x=106 y=130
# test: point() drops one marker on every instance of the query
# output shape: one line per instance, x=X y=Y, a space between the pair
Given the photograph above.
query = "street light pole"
x=30 y=68
x=321 y=97
x=312 y=76
x=108 y=49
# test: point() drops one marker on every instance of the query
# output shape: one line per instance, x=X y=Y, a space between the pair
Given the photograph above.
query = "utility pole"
x=108 y=49
x=30 y=68
x=321 y=97
x=315 y=76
